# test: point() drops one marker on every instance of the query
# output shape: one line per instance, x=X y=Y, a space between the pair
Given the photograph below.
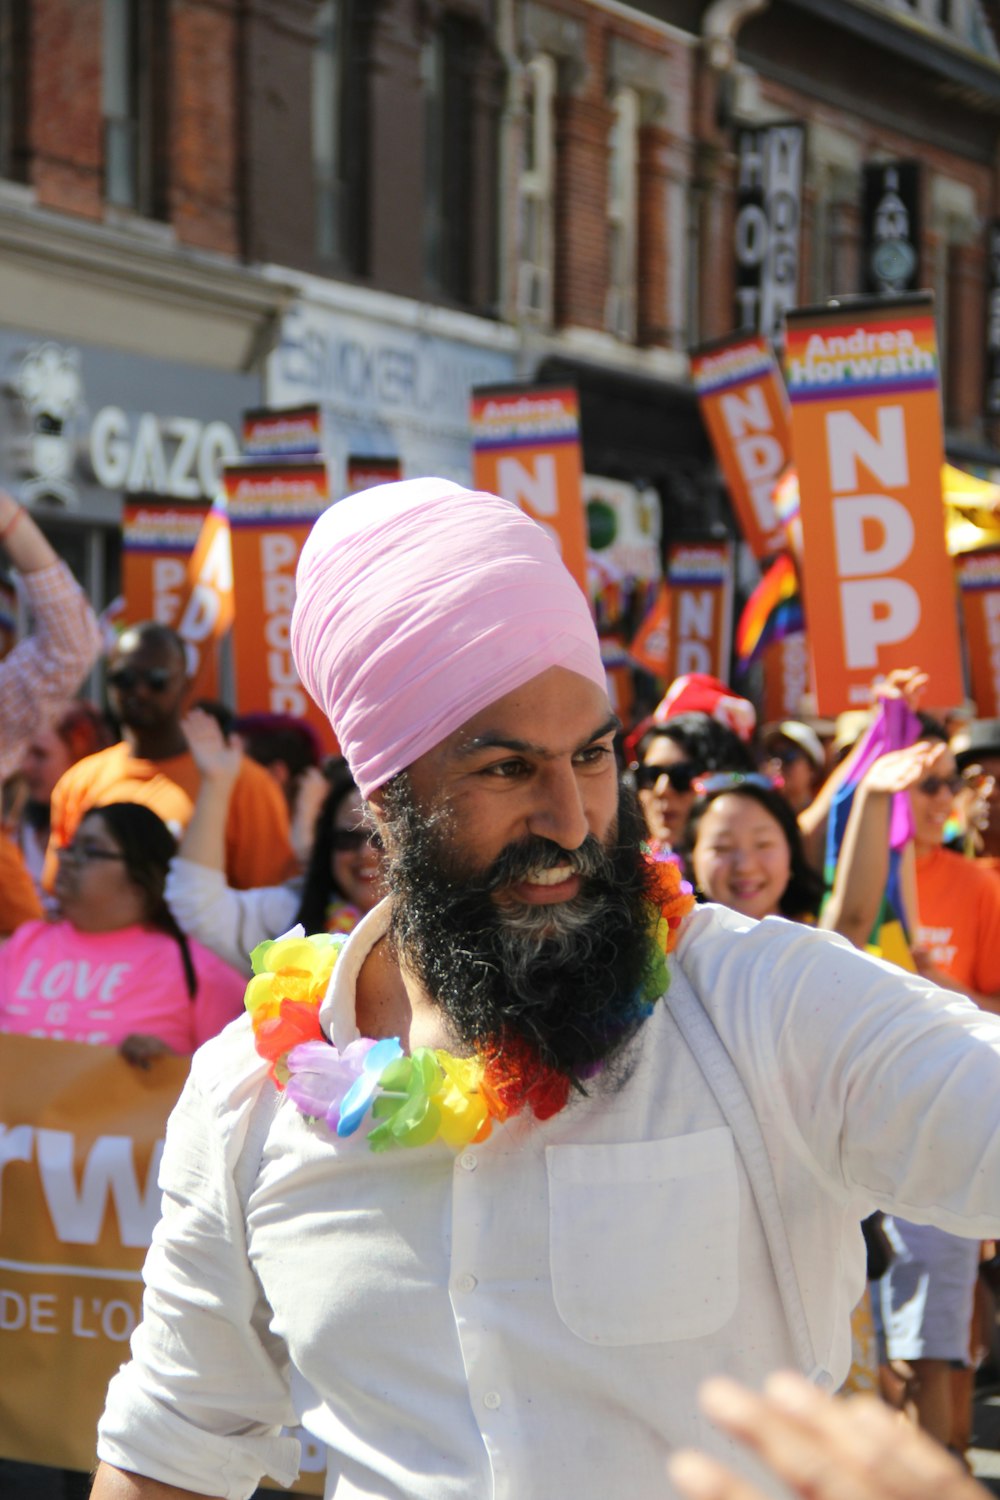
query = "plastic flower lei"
x=430 y=1095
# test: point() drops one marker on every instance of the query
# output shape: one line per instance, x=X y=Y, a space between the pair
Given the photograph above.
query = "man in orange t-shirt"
x=147 y=686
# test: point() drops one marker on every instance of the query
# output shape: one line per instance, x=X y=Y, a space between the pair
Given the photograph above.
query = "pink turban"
x=420 y=603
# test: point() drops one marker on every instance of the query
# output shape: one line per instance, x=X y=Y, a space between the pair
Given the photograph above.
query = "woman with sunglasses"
x=342 y=879
x=745 y=851
x=115 y=969
x=668 y=759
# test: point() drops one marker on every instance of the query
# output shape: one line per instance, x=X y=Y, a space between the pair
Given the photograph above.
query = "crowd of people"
x=151 y=844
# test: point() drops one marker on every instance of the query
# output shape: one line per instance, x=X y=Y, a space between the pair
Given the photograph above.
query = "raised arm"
x=218 y=761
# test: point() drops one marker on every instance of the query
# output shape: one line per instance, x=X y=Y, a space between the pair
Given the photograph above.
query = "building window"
x=13 y=89
x=533 y=290
x=339 y=136
x=135 y=95
x=449 y=63
x=623 y=142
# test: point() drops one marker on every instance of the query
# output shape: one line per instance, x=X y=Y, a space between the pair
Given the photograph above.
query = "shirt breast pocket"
x=643 y=1237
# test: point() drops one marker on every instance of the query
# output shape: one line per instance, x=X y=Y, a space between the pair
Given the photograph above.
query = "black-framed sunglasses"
x=126 y=678
x=931 y=785
x=81 y=854
x=680 y=776
x=349 y=840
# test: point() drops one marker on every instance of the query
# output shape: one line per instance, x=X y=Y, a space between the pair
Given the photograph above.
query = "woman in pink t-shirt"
x=116 y=970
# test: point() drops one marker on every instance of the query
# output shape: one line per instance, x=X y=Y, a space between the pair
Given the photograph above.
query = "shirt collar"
x=338 y=1012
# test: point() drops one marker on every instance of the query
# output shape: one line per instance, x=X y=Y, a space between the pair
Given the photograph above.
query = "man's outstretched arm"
x=114 y=1484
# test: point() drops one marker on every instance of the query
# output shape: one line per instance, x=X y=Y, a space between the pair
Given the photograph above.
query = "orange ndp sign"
x=157 y=542
x=700 y=585
x=271 y=509
x=866 y=435
x=742 y=401
x=978 y=575
x=526 y=447
x=786 y=677
x=81 y=1136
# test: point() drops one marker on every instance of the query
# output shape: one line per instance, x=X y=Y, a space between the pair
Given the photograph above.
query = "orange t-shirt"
x=18 y=897
x=959 y=924
x=258 y=851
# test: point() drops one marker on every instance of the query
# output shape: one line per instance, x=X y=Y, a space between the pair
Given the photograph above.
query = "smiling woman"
x=115 y=970
x=746 y=851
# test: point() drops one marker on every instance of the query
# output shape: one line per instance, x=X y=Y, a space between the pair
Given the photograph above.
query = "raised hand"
x=217 y=758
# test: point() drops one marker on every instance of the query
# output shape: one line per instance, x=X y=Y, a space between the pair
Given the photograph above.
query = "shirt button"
x=467 y=1283
x=469 y=1160
x=492 y=1400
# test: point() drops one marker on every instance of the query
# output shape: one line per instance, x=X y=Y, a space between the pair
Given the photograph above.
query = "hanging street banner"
x=741 y=396
x=992 y=397
x=867 y=444
x=365 y=473
x=81 y=1136
x=978 y=575
x=272 y=508
x=526 y=447
x=769 y=162
x=786 y=678
x=890 y=227
x=700 y=583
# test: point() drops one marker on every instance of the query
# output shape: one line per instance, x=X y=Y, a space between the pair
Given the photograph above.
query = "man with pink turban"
x=478 y=1195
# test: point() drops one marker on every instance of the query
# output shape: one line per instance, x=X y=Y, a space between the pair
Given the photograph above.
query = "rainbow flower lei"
x=431 y=1094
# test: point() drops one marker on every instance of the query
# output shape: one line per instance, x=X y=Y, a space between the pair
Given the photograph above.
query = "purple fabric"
x=894 y=727
x=420 y=603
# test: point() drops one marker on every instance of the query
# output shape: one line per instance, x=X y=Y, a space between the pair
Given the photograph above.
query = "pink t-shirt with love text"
x=101 y=987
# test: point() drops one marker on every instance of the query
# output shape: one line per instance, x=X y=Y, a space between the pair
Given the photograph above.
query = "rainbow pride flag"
x=773 y=610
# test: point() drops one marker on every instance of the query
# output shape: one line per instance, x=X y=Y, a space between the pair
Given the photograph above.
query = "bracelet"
x=18 y=513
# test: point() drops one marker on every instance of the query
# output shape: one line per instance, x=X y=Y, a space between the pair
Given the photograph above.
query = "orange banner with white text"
x=272 y=508
x=742 y=401
x=650 y=646
x=867 y=444
x=158 y=538
x=978 y=575
x=526 y=447
x=700 y=583
x=81 y=1135
x=785 y=666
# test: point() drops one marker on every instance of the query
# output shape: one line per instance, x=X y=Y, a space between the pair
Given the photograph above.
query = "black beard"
x=565 y=979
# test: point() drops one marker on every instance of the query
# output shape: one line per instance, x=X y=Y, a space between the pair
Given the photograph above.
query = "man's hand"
x=903 y=682
x=853 y=1448
x=218 y=759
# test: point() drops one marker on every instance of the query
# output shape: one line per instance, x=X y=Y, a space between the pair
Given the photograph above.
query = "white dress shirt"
x=530 y=1319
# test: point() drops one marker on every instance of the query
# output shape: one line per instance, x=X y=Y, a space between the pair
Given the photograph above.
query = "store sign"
x=179 y=457
x=993 y=318
x=768 y=219
x=890 y=220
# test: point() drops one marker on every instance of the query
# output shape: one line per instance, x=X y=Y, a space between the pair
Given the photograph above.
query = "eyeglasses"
x=931 y=785
x=680 y=776
x=726 y=781
x=126 y=678
x=80 y=854
x=349 y=840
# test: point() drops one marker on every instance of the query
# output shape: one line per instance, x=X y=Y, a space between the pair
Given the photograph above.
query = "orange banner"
x=158 y=539
x=288 y=432
x=786 y=678
x=700 y=580
x=81 y=1134
x=867 y=441
x=205 y=611
x=978 y=575
x=742 y=401
x=651 y=644
x=365 y=473
x=272 y=508
x=526 y=447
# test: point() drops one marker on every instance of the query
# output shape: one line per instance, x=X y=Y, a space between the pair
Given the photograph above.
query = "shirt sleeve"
x=47 y=668
x=867 y=1071
x=202 y=1402
x=258 y=844
x=229 y=922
